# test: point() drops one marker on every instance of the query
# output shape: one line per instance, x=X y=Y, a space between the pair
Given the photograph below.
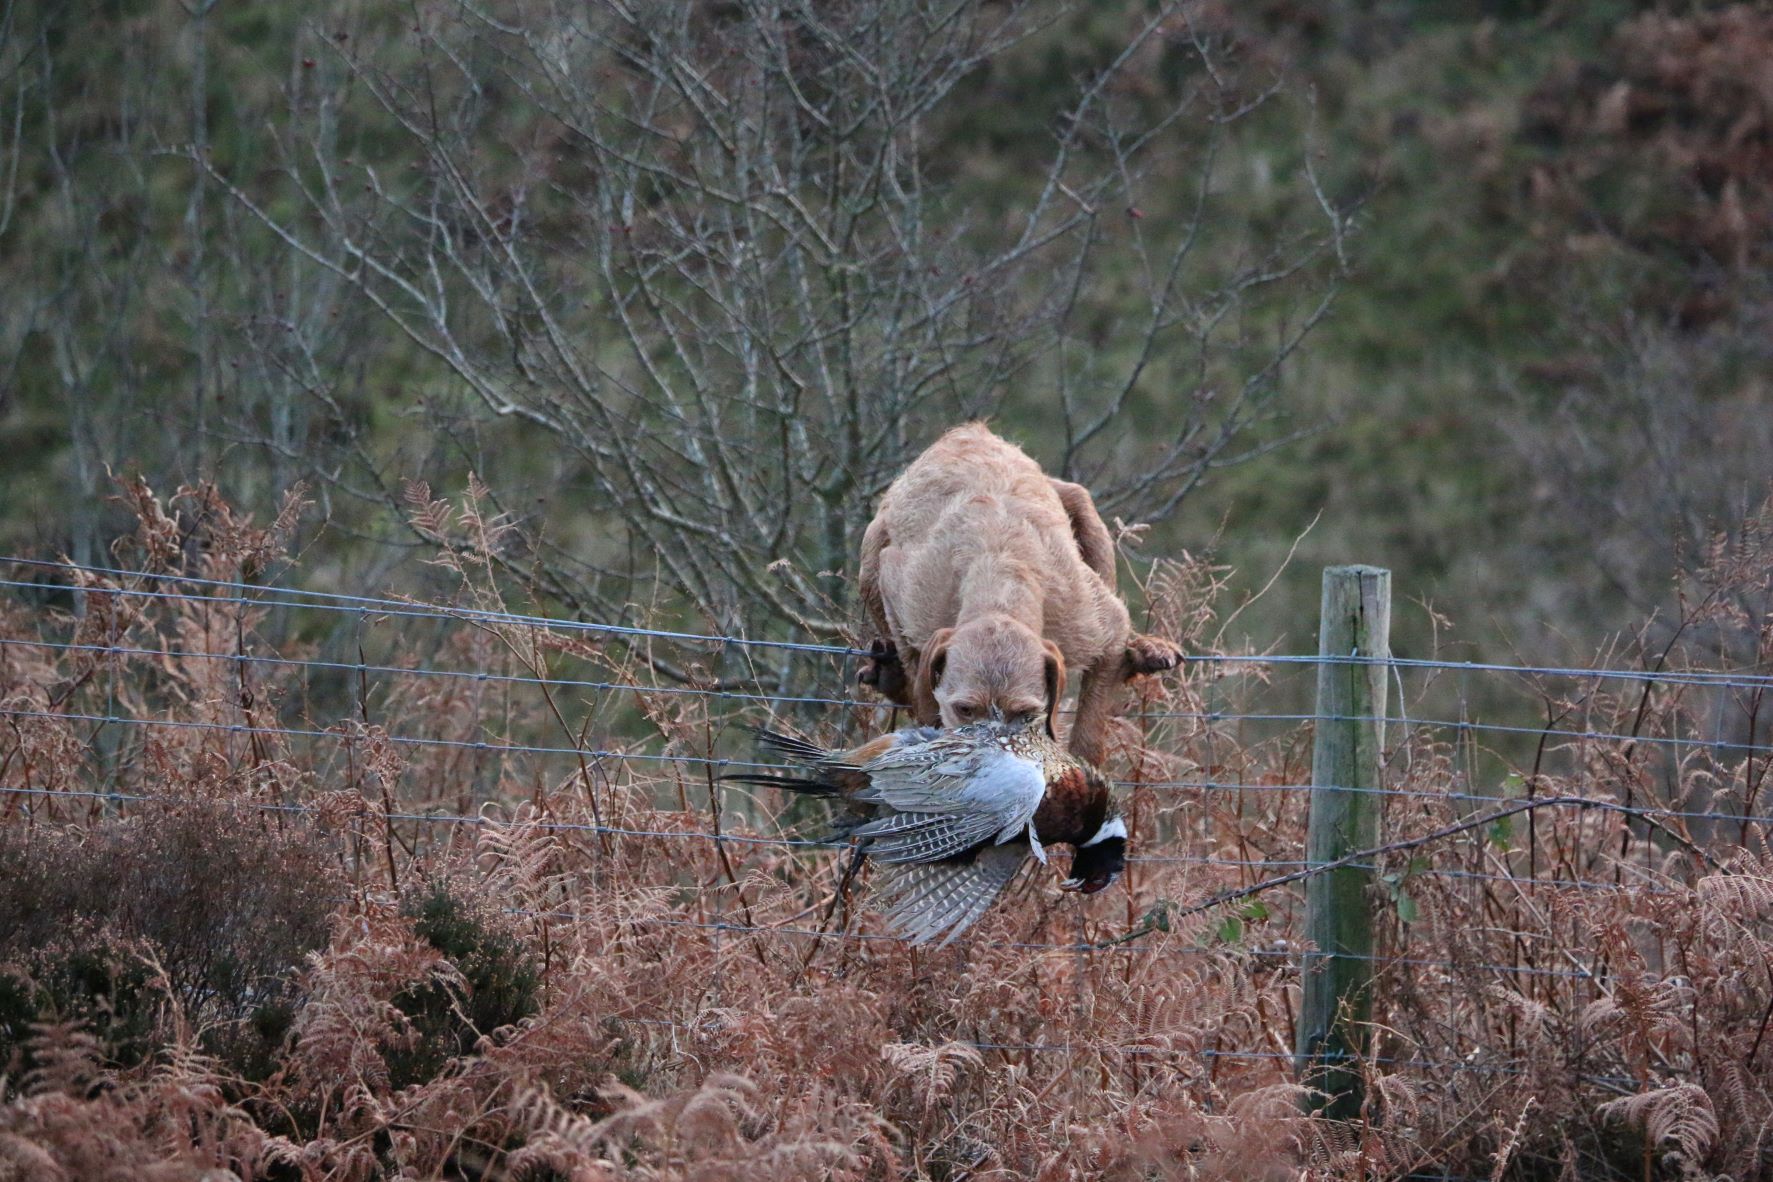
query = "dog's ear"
x=1055 y=677
x=931 y=663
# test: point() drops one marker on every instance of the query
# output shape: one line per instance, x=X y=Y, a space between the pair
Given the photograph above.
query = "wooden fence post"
x=1336 y=1004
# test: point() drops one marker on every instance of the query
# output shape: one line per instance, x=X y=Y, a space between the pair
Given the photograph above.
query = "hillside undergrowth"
x=460 y=928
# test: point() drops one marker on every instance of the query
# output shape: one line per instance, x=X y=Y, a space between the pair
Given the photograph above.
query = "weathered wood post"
x=1336 y=1004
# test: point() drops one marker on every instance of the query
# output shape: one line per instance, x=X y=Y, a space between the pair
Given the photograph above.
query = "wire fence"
x=740 y=838
x=714 y=1028
x=257 y=595
x=350 y=734
x=1580 y=733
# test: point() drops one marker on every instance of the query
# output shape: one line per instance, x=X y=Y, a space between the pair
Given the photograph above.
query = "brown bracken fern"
x=508 y=924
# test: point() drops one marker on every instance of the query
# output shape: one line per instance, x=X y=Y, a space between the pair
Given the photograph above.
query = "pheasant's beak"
x=1098 y=884
x=1072 y=884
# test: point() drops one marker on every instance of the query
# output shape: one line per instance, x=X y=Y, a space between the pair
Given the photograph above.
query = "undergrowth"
x=283 y=940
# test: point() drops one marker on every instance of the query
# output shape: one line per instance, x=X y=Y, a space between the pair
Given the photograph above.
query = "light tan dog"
x=988 y=579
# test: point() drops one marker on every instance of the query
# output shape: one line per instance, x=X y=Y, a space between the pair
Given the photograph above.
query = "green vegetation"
x=85 y=983
x=1542 y=374
x=498 y=985
x=195 y=920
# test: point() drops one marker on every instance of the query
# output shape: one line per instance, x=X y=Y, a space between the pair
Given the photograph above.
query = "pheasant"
x=956 y=813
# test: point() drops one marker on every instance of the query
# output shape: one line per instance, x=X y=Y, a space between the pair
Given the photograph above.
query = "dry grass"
x=536 y=996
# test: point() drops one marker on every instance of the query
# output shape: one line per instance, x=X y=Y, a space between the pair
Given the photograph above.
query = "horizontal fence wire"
x=369 y=605
x=550 y=825
x=437 y=818
x=483 y=745
x=369 y=810
x=1461 y=725
x=475 y=675
x=1210 y=717
x=496 y=747
x=1550 y=732
x=1700 y=677
x=357 y=604
x=1207 y=1053
x=1120 y=949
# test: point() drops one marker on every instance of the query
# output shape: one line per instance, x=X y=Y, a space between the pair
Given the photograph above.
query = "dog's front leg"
x=1098 y=699
x=883 y=668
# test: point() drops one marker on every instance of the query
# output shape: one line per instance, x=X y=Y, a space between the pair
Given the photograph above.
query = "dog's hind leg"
x=1145 y=654
x=1093 y=540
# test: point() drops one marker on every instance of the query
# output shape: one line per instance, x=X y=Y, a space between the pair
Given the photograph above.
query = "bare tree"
x=688 y=268
x=1650 y=450
x=131 y=294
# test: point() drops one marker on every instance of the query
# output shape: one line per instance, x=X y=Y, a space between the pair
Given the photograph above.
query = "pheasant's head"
x=1101 y=859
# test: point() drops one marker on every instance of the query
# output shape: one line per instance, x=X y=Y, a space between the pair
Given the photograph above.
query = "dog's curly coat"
x=987 y=580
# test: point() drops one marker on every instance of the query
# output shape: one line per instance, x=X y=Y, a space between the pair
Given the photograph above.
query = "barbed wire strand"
x=785 y=930
x=371 y=605
x=1516 y=1068
x=1075 y=948
x=1464 y=725
x=1210 y=717
x=427 y=671
x=361 y=736
x=820 y=843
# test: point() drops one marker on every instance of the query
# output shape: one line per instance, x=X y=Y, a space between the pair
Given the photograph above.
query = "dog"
x=987 y=581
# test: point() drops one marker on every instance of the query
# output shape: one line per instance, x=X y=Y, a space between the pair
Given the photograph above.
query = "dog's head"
x=993 y=666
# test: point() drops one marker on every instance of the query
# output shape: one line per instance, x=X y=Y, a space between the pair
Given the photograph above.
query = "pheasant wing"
x=926 y=837
x=951 y=794
x=923 y=901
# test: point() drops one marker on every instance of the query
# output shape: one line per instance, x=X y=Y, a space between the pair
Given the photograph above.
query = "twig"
x=1160 y=918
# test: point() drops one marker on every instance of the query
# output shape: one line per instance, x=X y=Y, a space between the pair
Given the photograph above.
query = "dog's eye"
x=966 y=712
x=1023 y=717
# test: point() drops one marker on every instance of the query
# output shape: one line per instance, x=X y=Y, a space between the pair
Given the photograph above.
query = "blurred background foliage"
x=1474 y=291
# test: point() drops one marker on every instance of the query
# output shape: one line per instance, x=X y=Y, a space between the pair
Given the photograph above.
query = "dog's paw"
x=882 y=668
x=1151 y=654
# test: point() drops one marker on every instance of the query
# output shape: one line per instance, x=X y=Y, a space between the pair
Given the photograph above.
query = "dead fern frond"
x=933 y=1068
x=1505 y=1153
x=1675 y=1120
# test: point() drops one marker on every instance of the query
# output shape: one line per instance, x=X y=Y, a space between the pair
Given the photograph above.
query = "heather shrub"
x=88 y=978
x=497 y=985
x=202 y=907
